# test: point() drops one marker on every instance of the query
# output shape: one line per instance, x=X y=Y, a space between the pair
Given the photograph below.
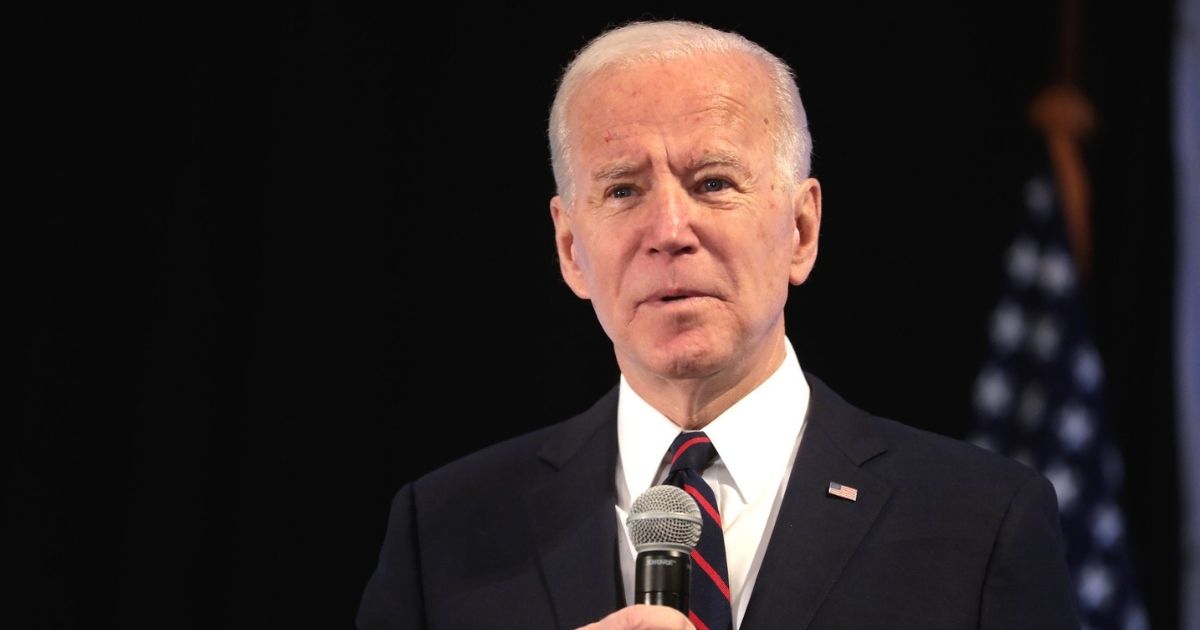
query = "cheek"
x=775 y=235
x=772 y=248
x=598 y=262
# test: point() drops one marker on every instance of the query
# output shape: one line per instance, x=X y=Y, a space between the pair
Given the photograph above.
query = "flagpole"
x=1065 y=117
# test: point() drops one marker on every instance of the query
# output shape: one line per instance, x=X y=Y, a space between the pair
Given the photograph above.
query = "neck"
x=693 y=403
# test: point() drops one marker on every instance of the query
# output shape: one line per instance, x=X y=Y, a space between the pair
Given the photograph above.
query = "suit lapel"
x=572 y=516
x=815 y=534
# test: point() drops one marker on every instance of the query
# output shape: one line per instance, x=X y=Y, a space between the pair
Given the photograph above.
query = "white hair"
x=640 y=42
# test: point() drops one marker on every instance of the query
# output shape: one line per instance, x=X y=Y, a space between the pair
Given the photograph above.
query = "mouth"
x=675 y=295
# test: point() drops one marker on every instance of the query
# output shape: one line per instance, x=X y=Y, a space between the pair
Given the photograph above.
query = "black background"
x=283 y=260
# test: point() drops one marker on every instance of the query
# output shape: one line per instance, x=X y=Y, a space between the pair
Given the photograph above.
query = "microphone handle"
x=663 y=577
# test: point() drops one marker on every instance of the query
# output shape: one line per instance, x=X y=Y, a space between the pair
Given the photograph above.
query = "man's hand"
x=643 y=617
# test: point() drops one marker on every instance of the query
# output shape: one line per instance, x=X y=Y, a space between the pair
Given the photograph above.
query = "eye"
x=620 y=192
x=713 y=184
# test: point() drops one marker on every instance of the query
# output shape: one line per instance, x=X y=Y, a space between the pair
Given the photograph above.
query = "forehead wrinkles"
x=719 y=117
x=722 y=148
x=704 y=130
x=658 y=93
x=722 y=95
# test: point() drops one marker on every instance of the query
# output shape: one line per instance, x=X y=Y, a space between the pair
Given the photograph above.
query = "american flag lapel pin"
x=845 y=492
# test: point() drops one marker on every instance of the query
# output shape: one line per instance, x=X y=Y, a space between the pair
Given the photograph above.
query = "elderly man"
x=684 y=211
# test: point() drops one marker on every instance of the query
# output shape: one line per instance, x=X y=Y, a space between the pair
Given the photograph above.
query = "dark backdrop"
x=284 y=260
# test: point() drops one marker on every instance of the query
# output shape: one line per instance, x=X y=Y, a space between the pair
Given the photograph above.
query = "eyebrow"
x=623 y=170
x=719 y=158
x=617 y=170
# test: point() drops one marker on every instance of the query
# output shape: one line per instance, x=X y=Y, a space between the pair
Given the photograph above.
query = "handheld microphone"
x=664 y=525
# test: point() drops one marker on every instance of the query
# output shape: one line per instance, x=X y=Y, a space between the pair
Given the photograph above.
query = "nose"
x=671 y=230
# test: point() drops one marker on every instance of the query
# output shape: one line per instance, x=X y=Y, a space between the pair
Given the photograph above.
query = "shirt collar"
x=754 y=438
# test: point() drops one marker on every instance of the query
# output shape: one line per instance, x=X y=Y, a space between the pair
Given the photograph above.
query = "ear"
x=806 y=207
x=564 y=241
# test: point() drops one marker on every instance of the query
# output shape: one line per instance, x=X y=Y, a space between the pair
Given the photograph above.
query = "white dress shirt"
x=756 y=441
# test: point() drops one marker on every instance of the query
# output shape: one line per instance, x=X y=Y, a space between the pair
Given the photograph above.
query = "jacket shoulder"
x=938 y=456
x=523 y=460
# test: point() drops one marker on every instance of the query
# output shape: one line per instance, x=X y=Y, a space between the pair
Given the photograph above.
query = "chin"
x=689 y=367
x=690 y=357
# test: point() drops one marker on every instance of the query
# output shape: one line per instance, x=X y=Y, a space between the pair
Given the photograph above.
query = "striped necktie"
x=691 y=453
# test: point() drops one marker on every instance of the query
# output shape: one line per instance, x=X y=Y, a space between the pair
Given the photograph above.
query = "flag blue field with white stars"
x=1039 y=399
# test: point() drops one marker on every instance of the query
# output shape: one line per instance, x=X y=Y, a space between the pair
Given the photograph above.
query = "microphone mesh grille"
x=664 y=516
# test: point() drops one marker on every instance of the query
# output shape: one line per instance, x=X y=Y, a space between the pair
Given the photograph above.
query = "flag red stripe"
x=708 y=507
x=712 y=573
x=696 y=621
x=688 y=444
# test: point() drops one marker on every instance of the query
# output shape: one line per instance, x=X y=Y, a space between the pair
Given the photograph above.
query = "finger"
x=642 y=617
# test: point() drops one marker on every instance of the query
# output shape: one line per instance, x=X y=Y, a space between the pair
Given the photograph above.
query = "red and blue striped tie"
x=691 y=453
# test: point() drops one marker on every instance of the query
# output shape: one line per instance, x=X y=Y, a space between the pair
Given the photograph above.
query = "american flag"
x=1039 y=399
x=845 y=492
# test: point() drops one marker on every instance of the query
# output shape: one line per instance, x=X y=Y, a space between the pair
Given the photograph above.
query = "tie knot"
x=692 y=451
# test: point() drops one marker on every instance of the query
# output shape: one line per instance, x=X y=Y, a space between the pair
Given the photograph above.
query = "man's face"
x=682 y=232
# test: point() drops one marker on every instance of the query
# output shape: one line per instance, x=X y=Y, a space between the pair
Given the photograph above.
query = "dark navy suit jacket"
x=943 y=535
